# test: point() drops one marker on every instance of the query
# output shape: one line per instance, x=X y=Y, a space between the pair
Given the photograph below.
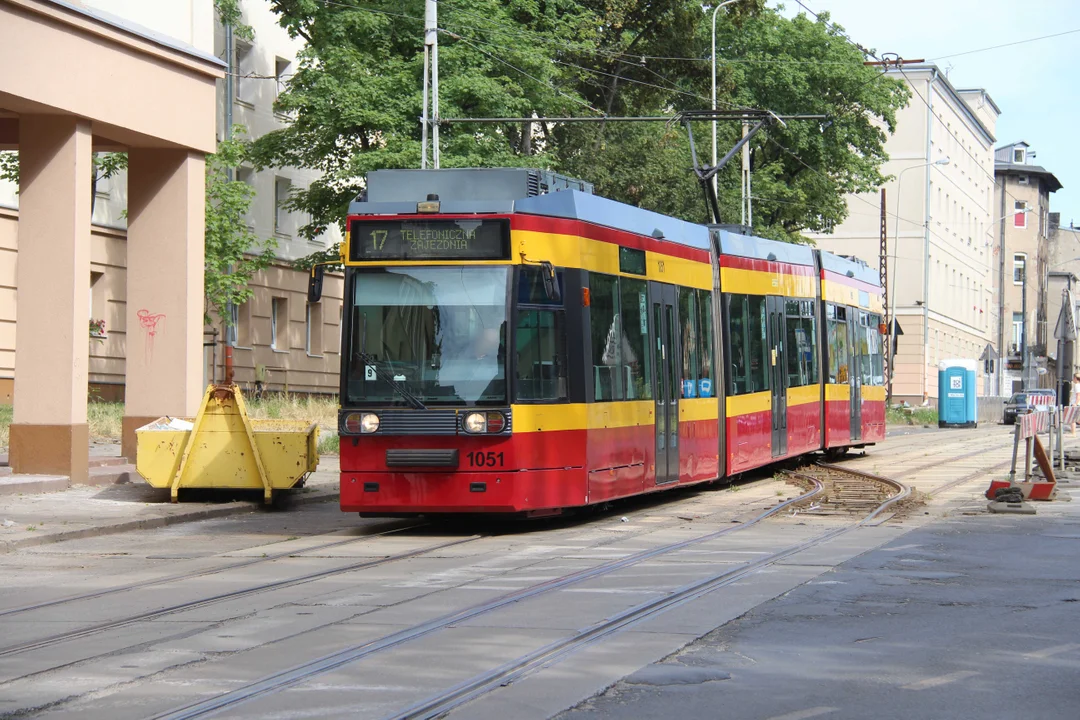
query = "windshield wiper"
x=389 y=379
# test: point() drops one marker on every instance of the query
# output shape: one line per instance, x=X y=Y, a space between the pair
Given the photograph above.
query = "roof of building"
x=131 y=28
x=963 y=107
x=1004 y=168
x=984 y=93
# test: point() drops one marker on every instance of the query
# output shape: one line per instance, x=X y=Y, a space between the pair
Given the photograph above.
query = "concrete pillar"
x=164 y=318
x=48 y=432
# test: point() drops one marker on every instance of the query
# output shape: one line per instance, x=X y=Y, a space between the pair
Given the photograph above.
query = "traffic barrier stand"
x=1008 y=496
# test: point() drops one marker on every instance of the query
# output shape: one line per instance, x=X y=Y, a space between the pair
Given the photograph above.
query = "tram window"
x=801 y=343
x=541 y=355
x=691 y=350
x=607 y=344
x=531 y=287
x=838 y=344
x=877 y=351
x=705 y=384
x=634 y=323
x=746 y=320
x=862 y=336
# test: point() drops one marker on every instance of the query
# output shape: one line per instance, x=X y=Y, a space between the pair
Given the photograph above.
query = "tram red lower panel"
x=837 y=423
x=873 y=420
x=433 y=492
x=749 y=439
x=804 y=428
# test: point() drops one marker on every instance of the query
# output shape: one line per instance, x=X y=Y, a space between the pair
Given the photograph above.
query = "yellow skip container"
x=223 y=448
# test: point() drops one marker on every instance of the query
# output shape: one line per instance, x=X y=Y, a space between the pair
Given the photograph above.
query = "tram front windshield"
x=428 y=335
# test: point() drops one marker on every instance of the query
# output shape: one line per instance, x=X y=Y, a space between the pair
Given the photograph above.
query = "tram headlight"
x=369 y=423
x=475 y=423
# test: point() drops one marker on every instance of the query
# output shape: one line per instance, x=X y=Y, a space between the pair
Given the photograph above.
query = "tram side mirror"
x=315 y=283
x=551 y=283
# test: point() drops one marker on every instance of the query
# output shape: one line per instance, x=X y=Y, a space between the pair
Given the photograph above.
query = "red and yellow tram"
x=514 y=343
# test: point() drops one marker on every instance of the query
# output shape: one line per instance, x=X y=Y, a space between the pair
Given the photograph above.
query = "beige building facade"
x=57 y=108
x=279 y=339
x=1021 y=283
x=939 y=211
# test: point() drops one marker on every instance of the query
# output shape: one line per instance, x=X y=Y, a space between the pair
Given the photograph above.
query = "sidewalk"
x=83 y=511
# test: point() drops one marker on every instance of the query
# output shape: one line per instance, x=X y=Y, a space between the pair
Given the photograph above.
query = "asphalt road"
x=972 y=617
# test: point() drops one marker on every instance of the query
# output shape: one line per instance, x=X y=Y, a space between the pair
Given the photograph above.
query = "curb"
x=233 y=508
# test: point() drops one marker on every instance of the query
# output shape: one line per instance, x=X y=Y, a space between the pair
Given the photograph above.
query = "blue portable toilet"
x=956 y=393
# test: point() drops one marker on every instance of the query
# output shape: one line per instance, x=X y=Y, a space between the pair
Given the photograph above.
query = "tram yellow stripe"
x=603 y=257
x=836 y=292
x=837 y=392
x=873 y=392
x=759 y=282
x=747 y=404
x=698 y=409
x=803 y=395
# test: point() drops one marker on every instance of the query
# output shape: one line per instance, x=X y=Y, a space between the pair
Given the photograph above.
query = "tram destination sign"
x=443 y=239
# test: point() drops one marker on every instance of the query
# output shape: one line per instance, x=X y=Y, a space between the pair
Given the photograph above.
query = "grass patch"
x=310 y=408
x=105 y=420
x=6 y=413
x=330 y=445
x=911 y=416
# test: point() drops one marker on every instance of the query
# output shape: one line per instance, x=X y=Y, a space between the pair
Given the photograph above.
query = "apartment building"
x=1025 y=327
x=278 y=337
x=940 y=241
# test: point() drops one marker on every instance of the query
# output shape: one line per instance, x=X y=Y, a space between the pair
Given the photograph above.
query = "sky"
x=1032 y=82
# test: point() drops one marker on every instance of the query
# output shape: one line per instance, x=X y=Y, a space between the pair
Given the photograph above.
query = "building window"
x=282 y=75
x=279 y=323
x=246 y=84
x=1022 y=179
x=247 y=176
x=281 y=196
x=1019 y=155
x=1020 y=218
x=1019 y=268
x=314 y=329
x=1018 y=332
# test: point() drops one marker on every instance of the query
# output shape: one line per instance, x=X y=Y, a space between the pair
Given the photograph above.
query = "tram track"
x=301 y=673
x=231 y=595
x=479 y=685
x=180 y=577
x=104 y=627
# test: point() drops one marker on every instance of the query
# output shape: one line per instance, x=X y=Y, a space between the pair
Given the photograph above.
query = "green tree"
x=355 y=100
x=233 y=253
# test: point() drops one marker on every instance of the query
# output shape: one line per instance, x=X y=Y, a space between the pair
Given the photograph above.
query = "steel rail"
x=232 y=595
x=200 y=573
x=507 y=673
x=301 y=673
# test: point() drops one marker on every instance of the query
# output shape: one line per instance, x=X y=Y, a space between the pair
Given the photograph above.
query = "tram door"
x=777 y=373
x=855 y=360
x=666 y=372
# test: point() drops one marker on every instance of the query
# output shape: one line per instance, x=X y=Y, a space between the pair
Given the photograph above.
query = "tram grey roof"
x=576 y=205
x=852 y=268
x=762 y=249
x=524 y=190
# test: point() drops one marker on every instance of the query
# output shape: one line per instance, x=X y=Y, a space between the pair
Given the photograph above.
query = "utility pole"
x=883 y=274
x=431 y=68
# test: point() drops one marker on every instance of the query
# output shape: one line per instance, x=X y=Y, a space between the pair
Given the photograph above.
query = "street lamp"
x=714 y=158
x=896 y=242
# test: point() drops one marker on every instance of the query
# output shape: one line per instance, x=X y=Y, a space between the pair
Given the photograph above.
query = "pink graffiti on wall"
x=149 y=322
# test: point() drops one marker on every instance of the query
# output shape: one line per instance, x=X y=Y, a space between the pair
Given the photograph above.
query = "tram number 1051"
x=485 y=459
